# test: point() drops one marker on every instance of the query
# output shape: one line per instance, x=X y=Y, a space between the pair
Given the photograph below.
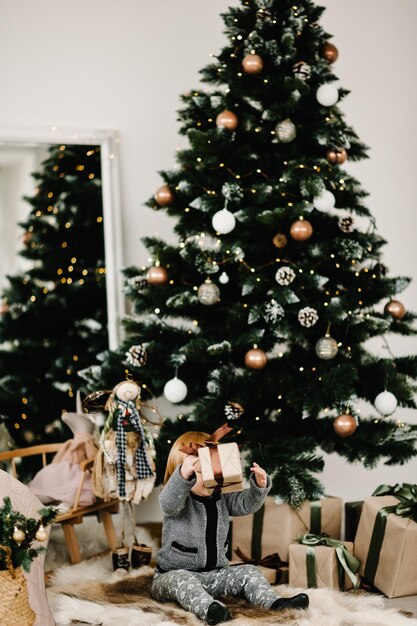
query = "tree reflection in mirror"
x=53 y=309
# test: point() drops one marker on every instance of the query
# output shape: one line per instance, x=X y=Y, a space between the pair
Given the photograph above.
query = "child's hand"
x=188 y=466
x=260 y=475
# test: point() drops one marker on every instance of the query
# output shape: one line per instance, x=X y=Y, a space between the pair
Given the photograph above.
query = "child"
x=192 y=567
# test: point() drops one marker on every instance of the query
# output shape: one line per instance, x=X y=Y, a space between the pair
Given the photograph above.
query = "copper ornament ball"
x=164 y=196
x=27 y=237
x=252 y=64
x=301 y=230
x=336 y=155
x=345 y=425
x=330 y=52
x=396 y=309
x=4 y=308
x=256 y=359
x=280 y=240
x=227 y=119
x=157 y=275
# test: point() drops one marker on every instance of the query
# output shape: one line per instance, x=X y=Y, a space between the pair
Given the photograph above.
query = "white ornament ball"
x=223 y=222
x=386 y=403
x=324 y=201
x=208 y=293
x=326 y=348
x=327 y=95
x=224 y=278
x=286 y=131
x=175 y=390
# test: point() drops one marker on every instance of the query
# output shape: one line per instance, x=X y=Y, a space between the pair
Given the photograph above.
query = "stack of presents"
x=303 y=547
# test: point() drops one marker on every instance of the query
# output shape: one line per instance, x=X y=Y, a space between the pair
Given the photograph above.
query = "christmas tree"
x=53 y=314
x=18 y=534
x=262 y=311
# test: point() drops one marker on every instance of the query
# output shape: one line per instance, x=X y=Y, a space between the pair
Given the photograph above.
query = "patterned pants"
x=195 y=591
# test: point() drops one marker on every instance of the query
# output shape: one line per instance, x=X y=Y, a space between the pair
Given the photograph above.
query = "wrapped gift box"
x=327 y=567
x=396 y=571
x=271 y=566
x=221 y=461
x=353 y=512
x=275 y=526
x=273 y=576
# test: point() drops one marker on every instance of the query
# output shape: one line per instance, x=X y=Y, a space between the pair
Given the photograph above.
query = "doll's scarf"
x=127 y=410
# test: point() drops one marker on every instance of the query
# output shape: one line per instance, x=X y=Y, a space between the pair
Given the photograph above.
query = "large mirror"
x=22 y=150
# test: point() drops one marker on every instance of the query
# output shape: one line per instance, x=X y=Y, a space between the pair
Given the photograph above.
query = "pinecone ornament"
x=307 y=316
x=233 y=410
x=285 y=275
x=263 y=15
x=136 y=355
x=346 y=224
x=301 y=70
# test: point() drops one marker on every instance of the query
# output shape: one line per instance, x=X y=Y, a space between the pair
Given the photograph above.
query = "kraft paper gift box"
x=226 y=457
x=271 y=567
x=275 y=526
x=273 y=576
x=353 y=512
x=396 y=563
x=327 y=567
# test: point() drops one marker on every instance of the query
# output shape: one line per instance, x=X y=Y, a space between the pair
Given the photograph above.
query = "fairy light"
x=157 y=311
x=75 y=357
x=99 y=219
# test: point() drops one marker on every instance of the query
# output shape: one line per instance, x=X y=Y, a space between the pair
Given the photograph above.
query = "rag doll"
x=124 y=466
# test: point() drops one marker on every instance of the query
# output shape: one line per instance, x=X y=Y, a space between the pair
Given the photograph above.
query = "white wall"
x=123 y=65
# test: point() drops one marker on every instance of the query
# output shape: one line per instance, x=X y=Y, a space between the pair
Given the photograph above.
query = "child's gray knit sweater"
x=195 y=528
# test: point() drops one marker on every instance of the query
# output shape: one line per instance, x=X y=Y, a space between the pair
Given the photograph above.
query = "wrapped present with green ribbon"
x=353 y=512
x=271 y=566
x=386 y=540
x=319 y=561
x=273 y=527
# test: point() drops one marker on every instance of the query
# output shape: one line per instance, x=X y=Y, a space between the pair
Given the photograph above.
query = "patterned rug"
x=90 y=593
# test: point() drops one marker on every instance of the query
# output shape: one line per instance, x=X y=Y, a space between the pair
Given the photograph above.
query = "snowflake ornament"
x=273 y=311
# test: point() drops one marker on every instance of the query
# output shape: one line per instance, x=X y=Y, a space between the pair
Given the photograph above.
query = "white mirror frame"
x=108 y=141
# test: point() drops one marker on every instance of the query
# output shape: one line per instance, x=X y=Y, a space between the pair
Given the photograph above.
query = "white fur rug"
x=327 y=607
